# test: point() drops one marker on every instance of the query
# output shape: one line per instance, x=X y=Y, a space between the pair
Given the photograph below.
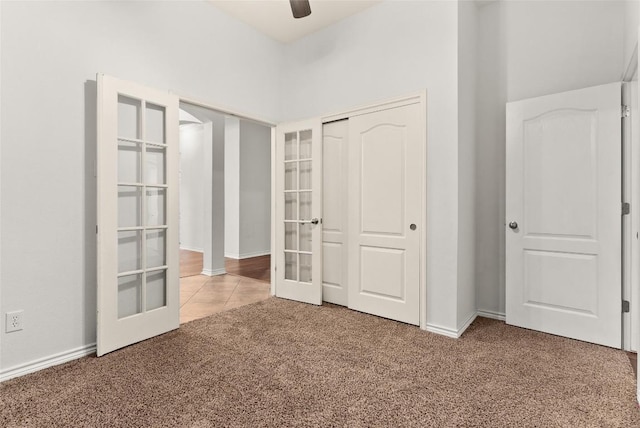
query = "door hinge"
x=626 y=208
x=96 y=228
x=625 y=306
x=625 y=111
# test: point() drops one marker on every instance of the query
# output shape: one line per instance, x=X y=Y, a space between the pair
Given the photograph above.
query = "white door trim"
x=225 y=110
x=419 y=97
x=630 y=223
x=416 y=97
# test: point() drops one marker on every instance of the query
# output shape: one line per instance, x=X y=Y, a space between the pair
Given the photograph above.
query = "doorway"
x=225 y=204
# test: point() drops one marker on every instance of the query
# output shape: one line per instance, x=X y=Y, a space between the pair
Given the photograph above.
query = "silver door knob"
x=513 y=225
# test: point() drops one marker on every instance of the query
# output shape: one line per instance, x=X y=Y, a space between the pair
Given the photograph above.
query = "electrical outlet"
x=13 y=321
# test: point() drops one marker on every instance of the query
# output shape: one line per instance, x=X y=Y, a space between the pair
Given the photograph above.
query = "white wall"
x=389 y=50
x=50 y=54
x=255 y=189
x=247 y=189
x=529 y=49
x=192 y=190
x=490 y=159
x=467 y=82
x=631 y=22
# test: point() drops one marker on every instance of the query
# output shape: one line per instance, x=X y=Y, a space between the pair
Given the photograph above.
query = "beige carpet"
x=280 y=363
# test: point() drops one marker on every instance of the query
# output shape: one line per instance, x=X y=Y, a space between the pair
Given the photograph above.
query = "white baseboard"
x=443 y=331
x=467 y=323
x=247 y=255
x=195 y=250
x=214 y=272
x=493 y=315
x=449 y=332
x=47 y=362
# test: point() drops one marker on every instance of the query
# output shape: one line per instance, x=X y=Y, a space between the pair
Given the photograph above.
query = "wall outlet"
x=13 y=321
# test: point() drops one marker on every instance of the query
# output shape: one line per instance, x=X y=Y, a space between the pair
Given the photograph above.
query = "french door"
x=299 y=211
x=138 y=263
x=563 y=208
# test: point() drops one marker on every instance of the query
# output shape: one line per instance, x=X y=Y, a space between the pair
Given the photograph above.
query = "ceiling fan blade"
x=300 y=8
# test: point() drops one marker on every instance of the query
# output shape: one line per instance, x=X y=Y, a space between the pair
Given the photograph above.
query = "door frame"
x=630 y=223
x=631 y=194
x=260 y=121
x=418 y=97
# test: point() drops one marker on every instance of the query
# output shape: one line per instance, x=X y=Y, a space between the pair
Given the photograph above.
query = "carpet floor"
x=282 y=363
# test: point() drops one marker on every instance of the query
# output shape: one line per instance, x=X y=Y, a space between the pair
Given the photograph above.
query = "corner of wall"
x=467 y=141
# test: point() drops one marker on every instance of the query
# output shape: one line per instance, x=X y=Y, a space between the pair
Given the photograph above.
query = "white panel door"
x=386 y=160
x=335 y=152
x=138 y=271
x=563 y=211
x=299 y=211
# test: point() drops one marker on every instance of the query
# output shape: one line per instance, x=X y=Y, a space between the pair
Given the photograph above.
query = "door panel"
x=382 y=187
x=299 y=212
x=556 y=202
x=563 y=262
x=138 y=286
x=386 y=160
x=334 y=211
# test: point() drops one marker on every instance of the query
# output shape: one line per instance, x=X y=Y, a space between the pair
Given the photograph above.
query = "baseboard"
x=443 y=331
x=214 y=272
x=449 y=332
x=493 y=315
x=467 y=323
x=43 y=363
x=247 y=255
x=195 y=250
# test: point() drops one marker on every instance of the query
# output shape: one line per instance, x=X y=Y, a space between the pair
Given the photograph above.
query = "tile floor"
x=201 y=296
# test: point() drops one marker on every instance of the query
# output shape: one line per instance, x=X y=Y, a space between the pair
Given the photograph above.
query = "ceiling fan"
x=300 y=8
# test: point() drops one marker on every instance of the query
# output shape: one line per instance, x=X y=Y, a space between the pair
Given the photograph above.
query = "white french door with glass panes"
x=299 y=211
x=138 y=271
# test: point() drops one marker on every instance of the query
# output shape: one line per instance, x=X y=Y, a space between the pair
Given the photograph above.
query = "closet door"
x=138 y=284
x=386 y=160
x=335 y=153
x=299 y=211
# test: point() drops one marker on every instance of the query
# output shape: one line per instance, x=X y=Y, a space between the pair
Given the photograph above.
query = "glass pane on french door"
x=298 y=206
x=142 y=210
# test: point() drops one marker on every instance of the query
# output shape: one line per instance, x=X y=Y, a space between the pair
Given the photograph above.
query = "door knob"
x=513 y=225
x=312 y=221
x=412 y=226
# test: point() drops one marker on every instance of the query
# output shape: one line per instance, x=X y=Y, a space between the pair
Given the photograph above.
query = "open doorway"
x=225 y=212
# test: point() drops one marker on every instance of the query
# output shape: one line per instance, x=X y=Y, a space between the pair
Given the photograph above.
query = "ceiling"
x=274 y=19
